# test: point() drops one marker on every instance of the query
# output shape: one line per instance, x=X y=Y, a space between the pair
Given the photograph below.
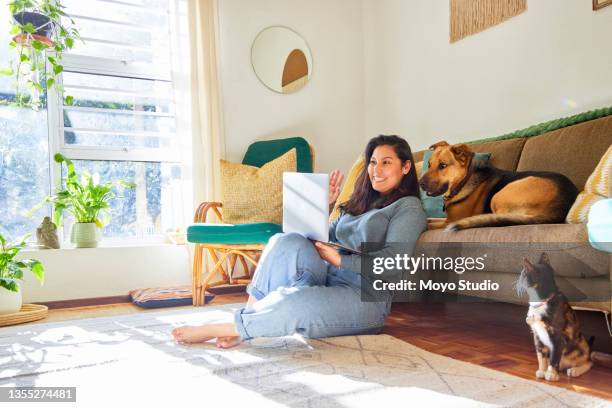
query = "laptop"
x=306 y=207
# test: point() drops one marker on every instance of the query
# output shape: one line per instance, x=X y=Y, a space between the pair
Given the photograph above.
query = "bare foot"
x=191 y=334
x=228 y=342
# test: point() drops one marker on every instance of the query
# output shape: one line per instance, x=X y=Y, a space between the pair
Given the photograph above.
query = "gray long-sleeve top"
x=398 y=223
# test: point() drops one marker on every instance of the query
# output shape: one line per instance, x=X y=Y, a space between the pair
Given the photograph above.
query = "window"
x=121 y=124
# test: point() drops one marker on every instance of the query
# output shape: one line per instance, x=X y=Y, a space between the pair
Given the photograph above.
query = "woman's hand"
x=328 y=253
x=335 y=182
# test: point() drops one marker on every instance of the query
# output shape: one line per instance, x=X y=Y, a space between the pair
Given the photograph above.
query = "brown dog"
x=479 y=195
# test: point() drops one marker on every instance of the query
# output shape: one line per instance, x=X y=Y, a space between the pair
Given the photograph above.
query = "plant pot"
x=43 y=24
x=10 y=302
x=84 y=234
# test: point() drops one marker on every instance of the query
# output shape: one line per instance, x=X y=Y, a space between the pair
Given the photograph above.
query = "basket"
x=28 y=313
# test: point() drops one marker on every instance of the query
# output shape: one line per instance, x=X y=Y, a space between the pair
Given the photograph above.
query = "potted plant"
x=86 y=200
x=11 y=271
x=41 y=32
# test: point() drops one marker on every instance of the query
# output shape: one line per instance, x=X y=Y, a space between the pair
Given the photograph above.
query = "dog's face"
x=448 y=165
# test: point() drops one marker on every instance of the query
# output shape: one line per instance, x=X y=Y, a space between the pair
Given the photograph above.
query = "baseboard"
x=109 y=300
x=98 y=301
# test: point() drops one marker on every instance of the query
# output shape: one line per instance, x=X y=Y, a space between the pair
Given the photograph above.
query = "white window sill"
x=103 y=246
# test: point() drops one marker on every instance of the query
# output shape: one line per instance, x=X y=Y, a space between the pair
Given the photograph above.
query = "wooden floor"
x=492 y=335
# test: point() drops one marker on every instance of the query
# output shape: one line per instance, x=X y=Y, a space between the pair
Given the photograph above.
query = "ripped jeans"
x=298 y=292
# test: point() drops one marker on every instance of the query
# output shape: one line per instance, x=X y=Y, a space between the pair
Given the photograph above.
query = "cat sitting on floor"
x=559 y=343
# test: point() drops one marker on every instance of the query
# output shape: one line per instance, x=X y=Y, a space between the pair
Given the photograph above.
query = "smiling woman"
x=316 y=290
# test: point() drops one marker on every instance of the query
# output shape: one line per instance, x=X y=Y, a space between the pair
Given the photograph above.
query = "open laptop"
x=306 y=207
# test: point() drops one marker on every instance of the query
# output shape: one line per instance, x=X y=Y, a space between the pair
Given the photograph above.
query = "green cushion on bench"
x=257 y=233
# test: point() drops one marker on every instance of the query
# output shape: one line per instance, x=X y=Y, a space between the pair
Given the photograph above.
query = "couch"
x=571 y=150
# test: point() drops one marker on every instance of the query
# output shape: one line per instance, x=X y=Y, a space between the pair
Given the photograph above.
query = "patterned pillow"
x=349 y=186
x=255 y=194
x=165 y=297
x=597 y=187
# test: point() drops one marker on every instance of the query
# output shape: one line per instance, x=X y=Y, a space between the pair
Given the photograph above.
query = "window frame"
x=107 y=67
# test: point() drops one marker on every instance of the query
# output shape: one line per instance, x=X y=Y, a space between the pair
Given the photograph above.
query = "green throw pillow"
x=434 y=206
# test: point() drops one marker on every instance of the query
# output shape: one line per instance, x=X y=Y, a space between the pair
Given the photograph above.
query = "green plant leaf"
x=69 y=42
x=38 y=45
x=69 y=100
x=29 y=28
x=50 y=82
x=39 y=271
x=57 y=69
x=7 y=72
x=24 y=57
x=9 y=284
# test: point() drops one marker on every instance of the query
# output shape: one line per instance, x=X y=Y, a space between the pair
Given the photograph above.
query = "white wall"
x=328 y=111
x=551 y=61
x=110 y=271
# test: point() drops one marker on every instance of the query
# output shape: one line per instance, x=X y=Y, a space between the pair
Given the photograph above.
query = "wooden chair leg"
x=211 y=274
x=213 y=255
x=232 y=264
x=196 y=274
x=245 y=266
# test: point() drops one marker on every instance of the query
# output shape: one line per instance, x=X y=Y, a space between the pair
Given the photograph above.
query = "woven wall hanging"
x=469 y=17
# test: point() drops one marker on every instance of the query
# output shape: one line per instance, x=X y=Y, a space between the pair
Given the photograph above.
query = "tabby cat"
x=559 y=343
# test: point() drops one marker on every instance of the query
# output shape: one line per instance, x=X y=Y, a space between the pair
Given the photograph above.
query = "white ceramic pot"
x=84 y=235
x=10 y=302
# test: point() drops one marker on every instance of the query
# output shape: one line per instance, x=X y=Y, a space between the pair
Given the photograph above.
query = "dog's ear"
x=439 y=144
x=462 y=152
x=527 y=264
x=544 y=259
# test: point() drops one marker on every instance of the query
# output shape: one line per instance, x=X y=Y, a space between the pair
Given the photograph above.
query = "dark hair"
x=364 y=197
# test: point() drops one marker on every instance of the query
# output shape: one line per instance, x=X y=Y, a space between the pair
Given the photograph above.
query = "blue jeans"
x=298 y=292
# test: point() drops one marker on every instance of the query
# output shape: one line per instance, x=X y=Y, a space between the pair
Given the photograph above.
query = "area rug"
x=132 y=359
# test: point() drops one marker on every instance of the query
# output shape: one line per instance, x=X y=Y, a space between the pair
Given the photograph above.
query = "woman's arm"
x=332 y=229
x=403 y=231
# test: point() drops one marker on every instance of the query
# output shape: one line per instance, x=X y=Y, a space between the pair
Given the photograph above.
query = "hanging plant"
x=40 y=34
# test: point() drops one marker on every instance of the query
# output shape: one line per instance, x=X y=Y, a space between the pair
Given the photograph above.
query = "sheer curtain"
x=206 y=98
x=195 y=51
x=194 y=32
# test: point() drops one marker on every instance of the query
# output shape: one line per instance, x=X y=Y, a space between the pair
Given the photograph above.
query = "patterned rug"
x=132 y=359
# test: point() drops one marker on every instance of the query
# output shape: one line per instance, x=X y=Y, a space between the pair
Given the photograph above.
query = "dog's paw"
x=540 y=374
x=452 y=227
x=551 y=375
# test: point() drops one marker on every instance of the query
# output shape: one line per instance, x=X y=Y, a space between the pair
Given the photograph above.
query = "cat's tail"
x=601 y=359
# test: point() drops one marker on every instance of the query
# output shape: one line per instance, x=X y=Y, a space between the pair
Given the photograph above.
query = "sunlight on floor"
x=357 y=393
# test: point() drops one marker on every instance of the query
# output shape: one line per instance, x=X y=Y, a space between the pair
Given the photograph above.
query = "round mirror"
x=281 y=59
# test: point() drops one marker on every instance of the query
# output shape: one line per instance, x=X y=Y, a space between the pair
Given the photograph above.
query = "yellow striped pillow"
x=349 y=186
x=596 y=188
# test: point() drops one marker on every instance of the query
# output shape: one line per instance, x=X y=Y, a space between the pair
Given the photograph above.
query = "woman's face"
x=386 y=169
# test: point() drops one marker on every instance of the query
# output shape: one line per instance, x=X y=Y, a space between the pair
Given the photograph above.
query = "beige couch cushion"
x=567 y=244
x=505 y=154
x=573 y=151
x=418 y=156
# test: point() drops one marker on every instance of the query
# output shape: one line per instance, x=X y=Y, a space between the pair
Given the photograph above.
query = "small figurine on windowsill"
x=46 y=235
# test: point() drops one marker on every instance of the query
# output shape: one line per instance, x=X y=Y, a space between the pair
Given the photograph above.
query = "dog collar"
x=536 y=305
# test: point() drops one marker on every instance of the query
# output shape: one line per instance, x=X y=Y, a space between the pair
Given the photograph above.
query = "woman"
x=314 y=290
